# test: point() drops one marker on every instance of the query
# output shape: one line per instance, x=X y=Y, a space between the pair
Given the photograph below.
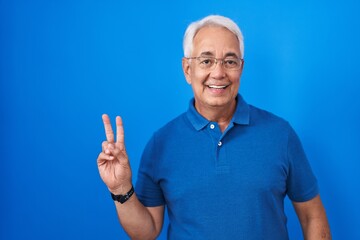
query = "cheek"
x=235 y=78
x=199 y=78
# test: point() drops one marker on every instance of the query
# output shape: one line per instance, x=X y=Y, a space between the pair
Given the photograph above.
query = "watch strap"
x=123 y=198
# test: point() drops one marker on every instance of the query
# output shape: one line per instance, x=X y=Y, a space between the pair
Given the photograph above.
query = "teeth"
x=217 y=87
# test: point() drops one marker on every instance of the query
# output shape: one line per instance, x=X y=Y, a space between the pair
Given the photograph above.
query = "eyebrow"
x=206 y=54
x=210 y=54
x=231 y=54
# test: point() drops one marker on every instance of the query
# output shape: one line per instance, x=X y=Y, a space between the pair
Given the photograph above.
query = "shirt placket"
x=221 y=162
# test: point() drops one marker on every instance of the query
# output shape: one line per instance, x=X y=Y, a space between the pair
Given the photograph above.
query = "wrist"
x=122 y=189
x=122 y=198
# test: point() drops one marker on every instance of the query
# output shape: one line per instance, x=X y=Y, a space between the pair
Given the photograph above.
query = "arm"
x=313 y=219
x=138 y=221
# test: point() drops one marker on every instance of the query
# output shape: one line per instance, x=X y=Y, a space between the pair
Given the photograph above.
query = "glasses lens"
x=232 y=63
x=209 y=63
x=206 y=62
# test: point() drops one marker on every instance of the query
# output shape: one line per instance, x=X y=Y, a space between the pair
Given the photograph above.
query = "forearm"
x=313 y=219
x=113 y=163
x=136 y=219
x=316 y=228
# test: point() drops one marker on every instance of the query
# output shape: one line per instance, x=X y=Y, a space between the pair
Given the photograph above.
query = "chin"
x=219 y=102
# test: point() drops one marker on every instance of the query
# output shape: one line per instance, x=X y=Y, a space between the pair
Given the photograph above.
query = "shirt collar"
x=241 y=115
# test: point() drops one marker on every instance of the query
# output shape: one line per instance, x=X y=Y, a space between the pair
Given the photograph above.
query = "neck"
x=222 y=115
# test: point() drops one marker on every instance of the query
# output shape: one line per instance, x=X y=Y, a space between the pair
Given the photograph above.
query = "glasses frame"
x=221 y=60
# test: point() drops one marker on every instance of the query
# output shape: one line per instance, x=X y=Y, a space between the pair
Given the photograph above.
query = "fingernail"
x=107 y=151
x=111 y=158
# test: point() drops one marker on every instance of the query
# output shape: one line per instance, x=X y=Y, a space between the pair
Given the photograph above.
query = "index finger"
x=120 y=132
x=108 y=129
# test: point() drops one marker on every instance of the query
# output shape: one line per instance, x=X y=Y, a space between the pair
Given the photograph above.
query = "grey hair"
x=211 y=20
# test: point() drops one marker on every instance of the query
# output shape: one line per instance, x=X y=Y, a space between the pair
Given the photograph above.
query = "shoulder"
x=269 y=123
x=261 y=115
x=176 y=125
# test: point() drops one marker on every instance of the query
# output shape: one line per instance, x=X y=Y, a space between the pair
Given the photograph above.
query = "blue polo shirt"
x=228 y=185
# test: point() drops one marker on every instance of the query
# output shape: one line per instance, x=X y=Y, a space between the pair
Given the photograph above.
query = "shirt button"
x=212 y=126
x=219 y=143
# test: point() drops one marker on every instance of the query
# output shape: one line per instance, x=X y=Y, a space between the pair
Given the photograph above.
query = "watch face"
x=123 y=198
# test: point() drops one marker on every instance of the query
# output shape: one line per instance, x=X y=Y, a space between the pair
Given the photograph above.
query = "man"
x=223 y=168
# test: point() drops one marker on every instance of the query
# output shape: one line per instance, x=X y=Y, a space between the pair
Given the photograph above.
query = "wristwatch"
x=123 y=198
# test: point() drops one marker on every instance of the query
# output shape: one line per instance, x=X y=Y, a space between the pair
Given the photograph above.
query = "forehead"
x=215 y=40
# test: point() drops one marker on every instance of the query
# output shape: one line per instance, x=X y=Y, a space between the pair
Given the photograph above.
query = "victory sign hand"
x=113 y=162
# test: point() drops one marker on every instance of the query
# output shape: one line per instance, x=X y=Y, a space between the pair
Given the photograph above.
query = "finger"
x=120 y=133
x=108 y=129
x=102 y=158
x=118 y=154
x=106 y=147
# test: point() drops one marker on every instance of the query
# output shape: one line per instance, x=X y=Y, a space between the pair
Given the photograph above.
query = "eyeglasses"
x=209 y=63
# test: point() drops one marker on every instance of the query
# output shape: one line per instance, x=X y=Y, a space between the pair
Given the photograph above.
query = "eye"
x=231 y=63
x=206 y=61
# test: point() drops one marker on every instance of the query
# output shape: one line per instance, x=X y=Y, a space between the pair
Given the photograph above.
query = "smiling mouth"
x=217 y=86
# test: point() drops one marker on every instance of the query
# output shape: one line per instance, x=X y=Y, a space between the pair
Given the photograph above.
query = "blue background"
x=64 y=63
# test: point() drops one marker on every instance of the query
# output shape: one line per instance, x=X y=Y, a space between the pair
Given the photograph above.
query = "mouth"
x=217 y=86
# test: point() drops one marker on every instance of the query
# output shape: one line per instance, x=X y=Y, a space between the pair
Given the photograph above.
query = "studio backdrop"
x=65 y=63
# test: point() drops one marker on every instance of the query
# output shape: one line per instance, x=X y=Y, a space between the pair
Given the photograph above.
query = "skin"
x=216 y=105
x=113 y=163
x=313 y=219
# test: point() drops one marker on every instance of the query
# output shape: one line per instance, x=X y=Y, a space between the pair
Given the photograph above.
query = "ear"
x=242 y=67
x=186 y=69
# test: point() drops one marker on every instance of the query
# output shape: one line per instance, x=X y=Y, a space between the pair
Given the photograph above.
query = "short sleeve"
x=301 y=183
x=147 y=188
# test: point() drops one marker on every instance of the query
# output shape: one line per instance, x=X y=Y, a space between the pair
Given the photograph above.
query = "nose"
x=218 y=72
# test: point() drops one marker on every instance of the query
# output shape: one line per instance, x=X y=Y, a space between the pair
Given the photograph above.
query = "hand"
x=113 y=162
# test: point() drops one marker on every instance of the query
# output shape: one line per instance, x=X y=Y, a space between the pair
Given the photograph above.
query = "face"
x=215 y=88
